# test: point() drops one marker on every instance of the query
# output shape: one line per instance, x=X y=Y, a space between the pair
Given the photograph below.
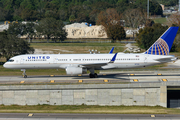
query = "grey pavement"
x=115 y=76
x=53 y=116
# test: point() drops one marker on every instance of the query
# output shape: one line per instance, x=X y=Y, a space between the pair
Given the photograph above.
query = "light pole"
x=179 y=6
x=147 y=9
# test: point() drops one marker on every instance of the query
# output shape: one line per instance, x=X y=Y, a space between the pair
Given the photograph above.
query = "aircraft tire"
x=25 y=76
x=91 y=75
x=95 y=75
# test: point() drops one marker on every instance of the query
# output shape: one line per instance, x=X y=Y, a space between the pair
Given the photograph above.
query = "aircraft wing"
x=98 y=65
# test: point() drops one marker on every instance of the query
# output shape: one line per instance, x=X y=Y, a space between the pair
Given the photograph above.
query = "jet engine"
x=75 y=70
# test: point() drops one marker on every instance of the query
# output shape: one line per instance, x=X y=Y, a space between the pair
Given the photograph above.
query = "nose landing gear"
x=24 y=73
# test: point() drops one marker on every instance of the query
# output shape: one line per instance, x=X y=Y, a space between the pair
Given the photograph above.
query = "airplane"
x=76 y=64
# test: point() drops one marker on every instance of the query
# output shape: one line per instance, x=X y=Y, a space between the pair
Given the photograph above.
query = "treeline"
x=69 y=10
x=12 y=45
x=169 y=2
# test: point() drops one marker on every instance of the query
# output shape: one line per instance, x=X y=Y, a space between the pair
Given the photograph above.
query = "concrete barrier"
x=149 y=94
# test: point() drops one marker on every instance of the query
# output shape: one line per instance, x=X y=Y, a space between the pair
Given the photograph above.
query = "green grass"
x=77 y=44
x=75 y=48
x=88 y=109
x=12 y=72
x=162 y=20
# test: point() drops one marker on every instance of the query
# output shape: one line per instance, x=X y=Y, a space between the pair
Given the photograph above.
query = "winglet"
x=113 y=59
x=111 y=51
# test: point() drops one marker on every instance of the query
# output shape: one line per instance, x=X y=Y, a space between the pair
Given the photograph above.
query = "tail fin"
x=163 y=45
x=111 y=51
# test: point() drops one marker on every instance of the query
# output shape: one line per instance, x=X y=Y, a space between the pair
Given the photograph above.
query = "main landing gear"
x=24 y=73
x=92 y=74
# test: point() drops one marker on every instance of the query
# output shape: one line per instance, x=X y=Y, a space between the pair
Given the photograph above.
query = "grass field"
x=88 y=109
x=11 y=72
x=73 y=48
x=162 y=20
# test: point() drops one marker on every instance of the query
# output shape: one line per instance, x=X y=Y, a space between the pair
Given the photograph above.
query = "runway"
x=54 y=116
x=108 y=77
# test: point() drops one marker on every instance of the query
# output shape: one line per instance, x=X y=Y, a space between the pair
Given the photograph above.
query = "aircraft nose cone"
x=5 y=65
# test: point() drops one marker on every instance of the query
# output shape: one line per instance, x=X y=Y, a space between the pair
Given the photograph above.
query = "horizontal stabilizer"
x=167 y=59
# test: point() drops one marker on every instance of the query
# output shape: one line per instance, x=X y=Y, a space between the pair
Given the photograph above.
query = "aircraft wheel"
x=95 y=75
x=91 y=75
x=25 y=76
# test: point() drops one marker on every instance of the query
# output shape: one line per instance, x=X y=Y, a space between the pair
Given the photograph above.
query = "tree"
x=60 y=33
x=134 y=17
x=2 y=39
x=39 y=9
x=116 y=32
x=123 y=5
x=93 y=16
x=12 y=46
x=72 y=18
x=20 y=29
x=51 y=28
x=51 y=13
x=176 y=44
x=110 y=16
x=174 y=19
x=17 y=29
x=148 y=35
x=82 y=17
x=154 y=6
x=2 y=14
x=110 y=19
x=168 y=2
x=63 y=15
x=30 y=30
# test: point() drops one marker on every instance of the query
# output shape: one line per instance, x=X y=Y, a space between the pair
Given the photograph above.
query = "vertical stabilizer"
x=163 y=45
x=111 y=51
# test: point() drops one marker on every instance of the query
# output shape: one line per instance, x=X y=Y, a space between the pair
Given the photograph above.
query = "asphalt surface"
x=53 y=116
x=113 y=77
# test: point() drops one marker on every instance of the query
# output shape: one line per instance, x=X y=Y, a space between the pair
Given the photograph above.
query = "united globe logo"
x=160 y=47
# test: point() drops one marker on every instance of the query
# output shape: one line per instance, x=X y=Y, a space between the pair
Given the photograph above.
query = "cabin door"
x=22 y=60
x=55 y=59
x=146 y=58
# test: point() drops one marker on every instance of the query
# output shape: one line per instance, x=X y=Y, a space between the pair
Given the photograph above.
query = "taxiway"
x=111 y=77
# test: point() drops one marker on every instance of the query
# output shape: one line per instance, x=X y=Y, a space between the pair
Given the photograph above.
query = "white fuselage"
x=61 y=61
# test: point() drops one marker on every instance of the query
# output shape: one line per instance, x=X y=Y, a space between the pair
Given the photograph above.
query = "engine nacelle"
x=75 y=70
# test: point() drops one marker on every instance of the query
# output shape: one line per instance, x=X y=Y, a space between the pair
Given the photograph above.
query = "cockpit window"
x=10 y=60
